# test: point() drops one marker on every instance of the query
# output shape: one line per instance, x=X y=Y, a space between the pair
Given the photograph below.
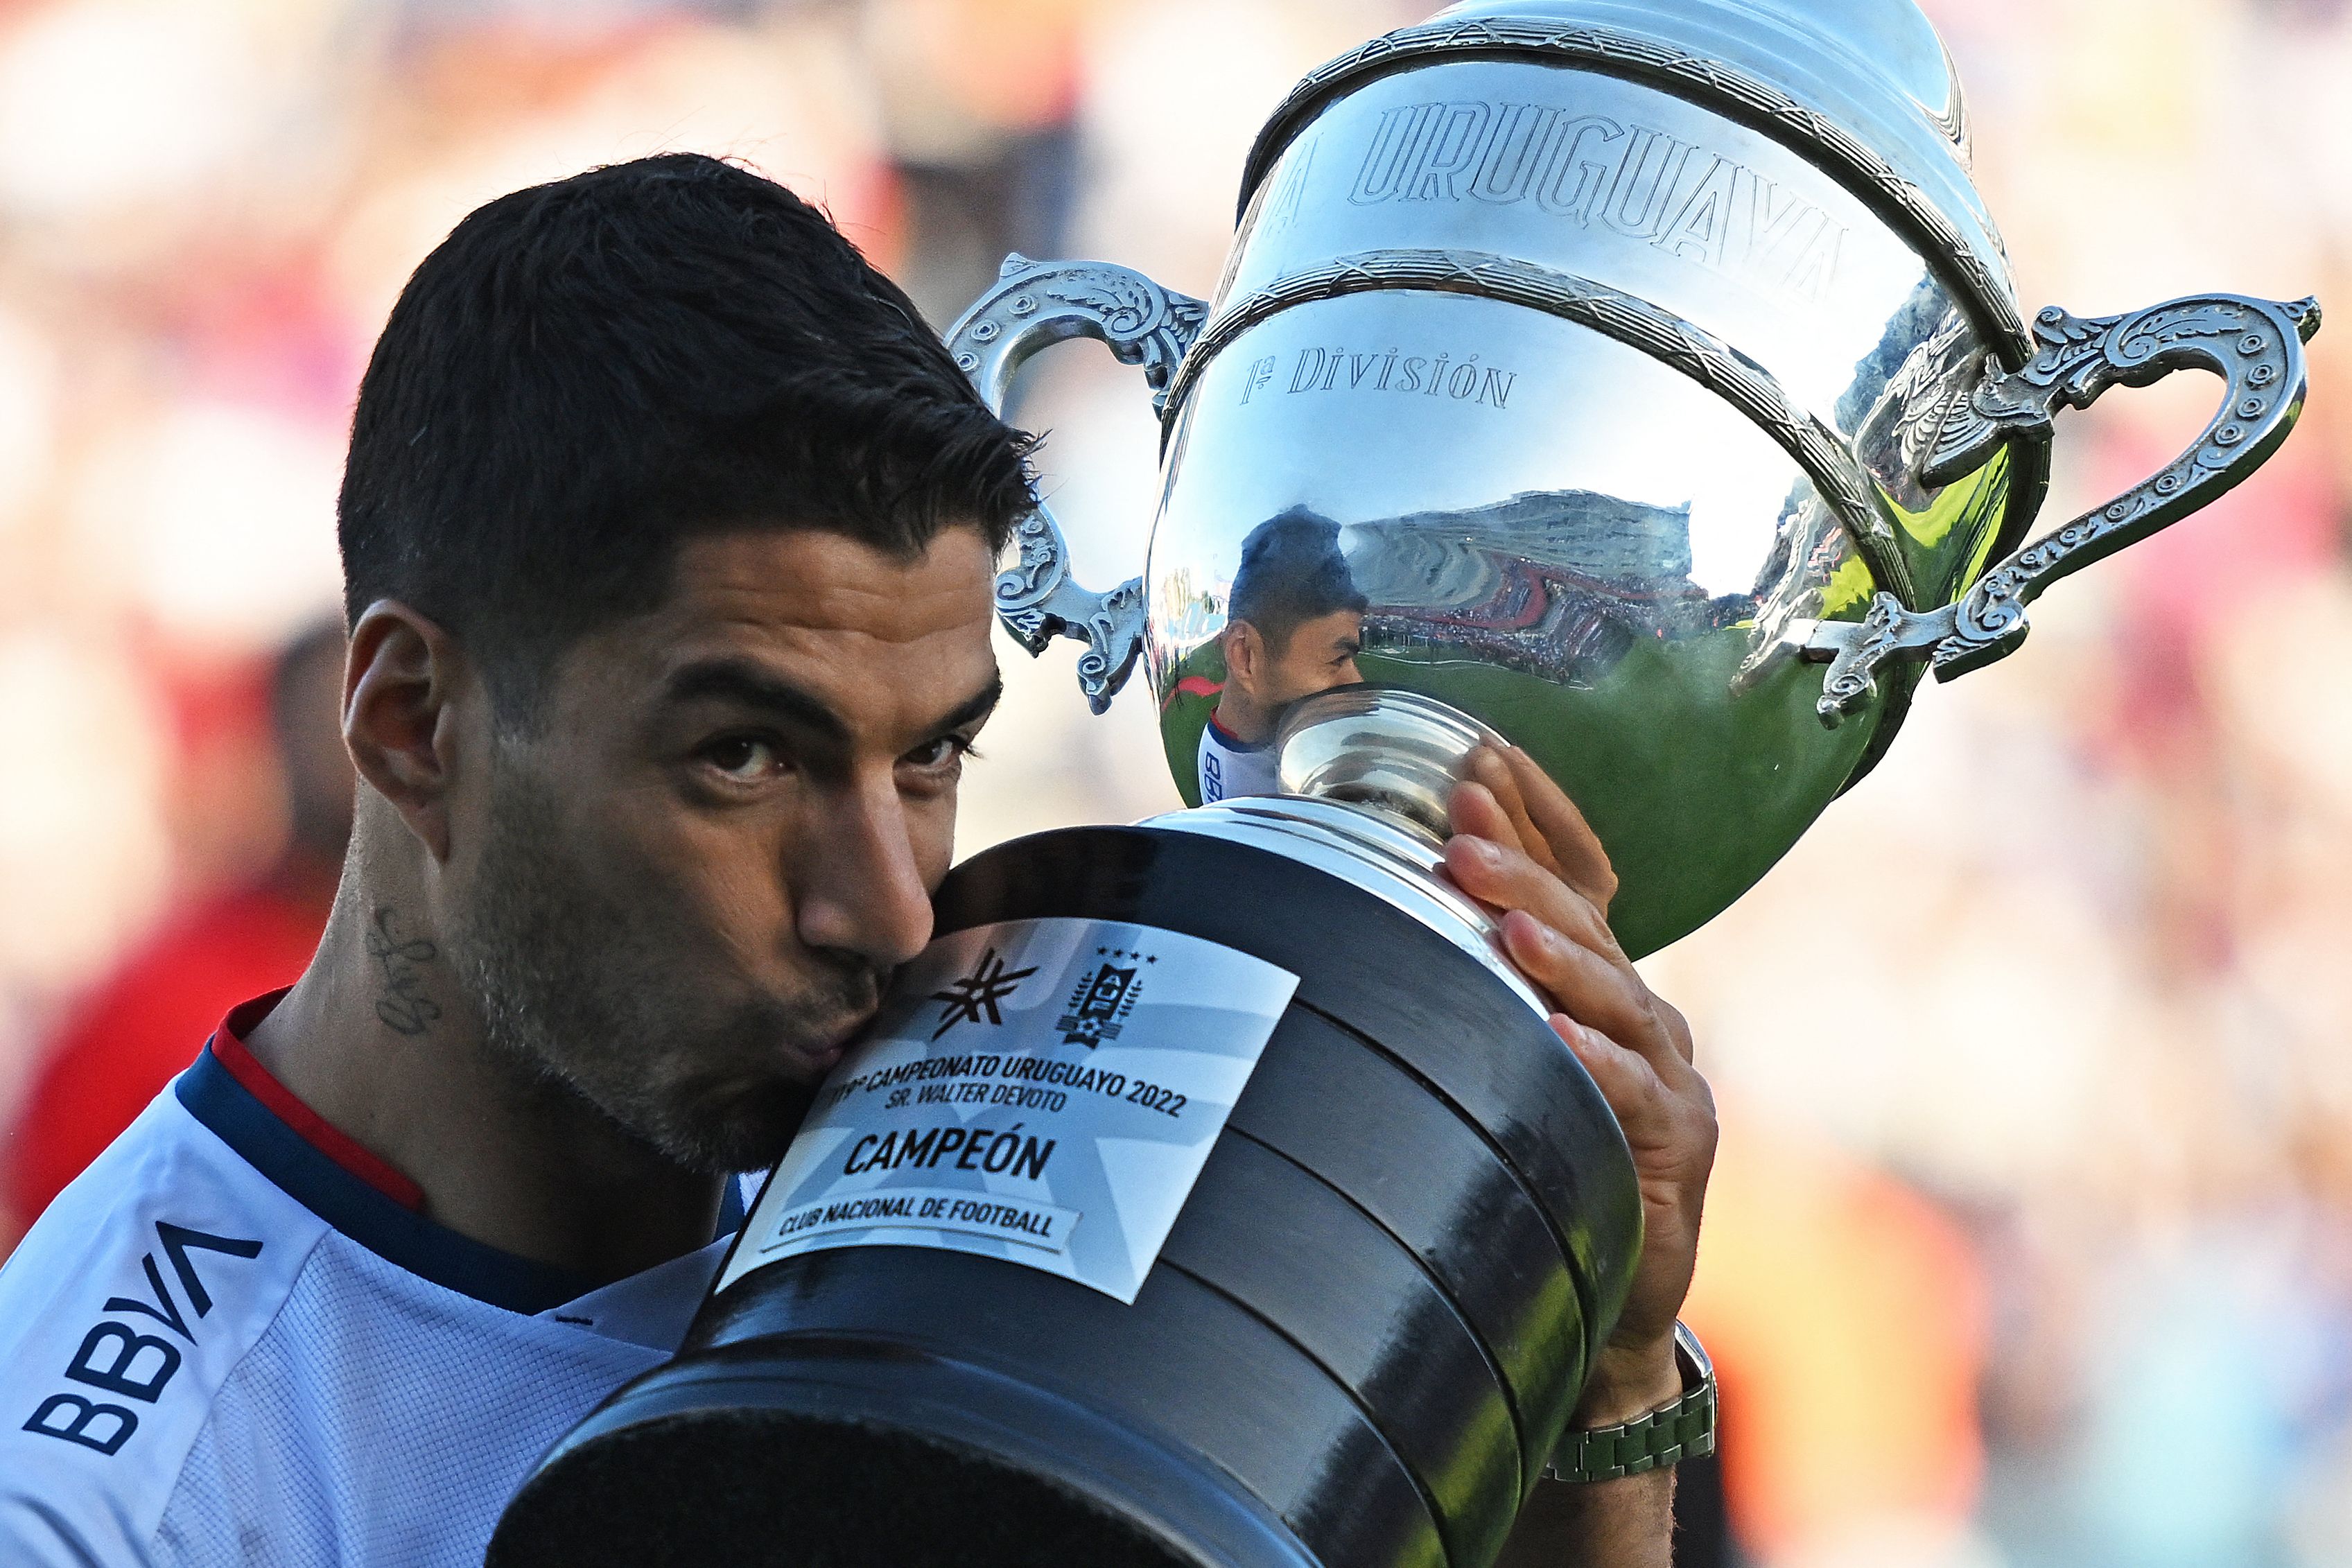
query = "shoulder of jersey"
x=122 y=1312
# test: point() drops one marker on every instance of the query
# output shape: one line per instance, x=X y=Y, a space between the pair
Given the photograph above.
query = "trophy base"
x=850 y=1452
x=1357 y=1345
x=1377 y=850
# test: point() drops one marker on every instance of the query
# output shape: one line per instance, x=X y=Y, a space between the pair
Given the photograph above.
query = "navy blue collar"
x=1232 y=742
x=400 y=1236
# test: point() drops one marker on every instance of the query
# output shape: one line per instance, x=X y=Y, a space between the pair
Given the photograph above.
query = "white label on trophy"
x=1042 y=1091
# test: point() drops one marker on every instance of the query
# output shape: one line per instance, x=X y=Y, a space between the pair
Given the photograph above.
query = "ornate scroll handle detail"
x=2254 y=345
x=1035 y=304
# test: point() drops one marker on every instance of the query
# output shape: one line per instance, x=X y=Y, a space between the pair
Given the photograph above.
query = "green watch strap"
x=1667 y=1436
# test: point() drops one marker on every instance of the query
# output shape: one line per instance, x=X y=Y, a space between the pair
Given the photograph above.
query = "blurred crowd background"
x=2031 y=1238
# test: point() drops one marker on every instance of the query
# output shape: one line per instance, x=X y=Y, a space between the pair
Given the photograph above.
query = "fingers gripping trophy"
x=1639 y=386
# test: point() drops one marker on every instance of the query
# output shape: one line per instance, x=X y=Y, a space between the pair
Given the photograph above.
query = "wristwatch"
x=1666 y=1436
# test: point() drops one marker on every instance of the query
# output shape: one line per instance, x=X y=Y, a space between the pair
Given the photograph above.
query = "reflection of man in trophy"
x=1294 y=628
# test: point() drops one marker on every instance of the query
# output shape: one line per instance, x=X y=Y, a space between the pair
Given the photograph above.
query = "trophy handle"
x=2254 y=345
x=1032 y=305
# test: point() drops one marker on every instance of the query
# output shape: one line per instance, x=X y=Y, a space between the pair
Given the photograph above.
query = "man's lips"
x=828 y=1046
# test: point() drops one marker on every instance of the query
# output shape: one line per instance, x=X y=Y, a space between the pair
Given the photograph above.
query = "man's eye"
x=744 y=758
x=938 y=753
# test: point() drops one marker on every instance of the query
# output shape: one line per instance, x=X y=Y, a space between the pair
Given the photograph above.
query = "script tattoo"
x=404 y=1006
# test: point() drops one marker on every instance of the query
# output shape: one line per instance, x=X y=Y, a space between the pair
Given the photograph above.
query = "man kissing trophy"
x=1636 y=383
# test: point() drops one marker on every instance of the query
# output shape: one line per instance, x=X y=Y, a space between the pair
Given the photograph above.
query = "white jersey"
x=220 y=1346
x=1230 y=767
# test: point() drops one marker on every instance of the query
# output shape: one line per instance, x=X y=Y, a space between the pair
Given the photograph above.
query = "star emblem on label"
x=978 y=992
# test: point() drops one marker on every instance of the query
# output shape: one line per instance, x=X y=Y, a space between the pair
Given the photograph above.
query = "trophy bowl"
x=1643 y=382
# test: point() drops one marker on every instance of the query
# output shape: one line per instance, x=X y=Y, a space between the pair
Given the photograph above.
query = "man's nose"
x=861 y=886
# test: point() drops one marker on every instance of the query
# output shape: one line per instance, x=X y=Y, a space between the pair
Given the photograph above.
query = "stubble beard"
x=597 y=997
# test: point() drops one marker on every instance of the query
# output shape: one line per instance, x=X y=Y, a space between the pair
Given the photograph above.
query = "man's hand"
x=1523 y=848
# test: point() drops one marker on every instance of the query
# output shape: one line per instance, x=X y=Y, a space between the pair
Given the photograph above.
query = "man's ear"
x=1244 y=656
x=401 y=687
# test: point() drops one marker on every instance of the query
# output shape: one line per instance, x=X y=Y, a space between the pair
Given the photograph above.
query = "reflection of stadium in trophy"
x=1557 y=583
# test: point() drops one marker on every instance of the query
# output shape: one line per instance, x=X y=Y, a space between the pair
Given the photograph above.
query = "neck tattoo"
x=402 y=1005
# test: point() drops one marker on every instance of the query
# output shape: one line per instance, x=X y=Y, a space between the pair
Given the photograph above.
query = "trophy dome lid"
x=1863 y=87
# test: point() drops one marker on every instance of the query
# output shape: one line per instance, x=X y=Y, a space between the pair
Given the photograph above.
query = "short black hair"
x=586 y=373
x=1292 y=570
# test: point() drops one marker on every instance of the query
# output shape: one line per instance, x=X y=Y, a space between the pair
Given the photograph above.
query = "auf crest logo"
x=1099 y=1004
x=979 y=991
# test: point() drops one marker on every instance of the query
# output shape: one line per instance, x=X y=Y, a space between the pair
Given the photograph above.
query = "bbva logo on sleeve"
x=1041 y=1091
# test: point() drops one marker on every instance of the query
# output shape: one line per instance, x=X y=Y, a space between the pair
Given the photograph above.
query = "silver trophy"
x=1638 y=381
x=1660 y=369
